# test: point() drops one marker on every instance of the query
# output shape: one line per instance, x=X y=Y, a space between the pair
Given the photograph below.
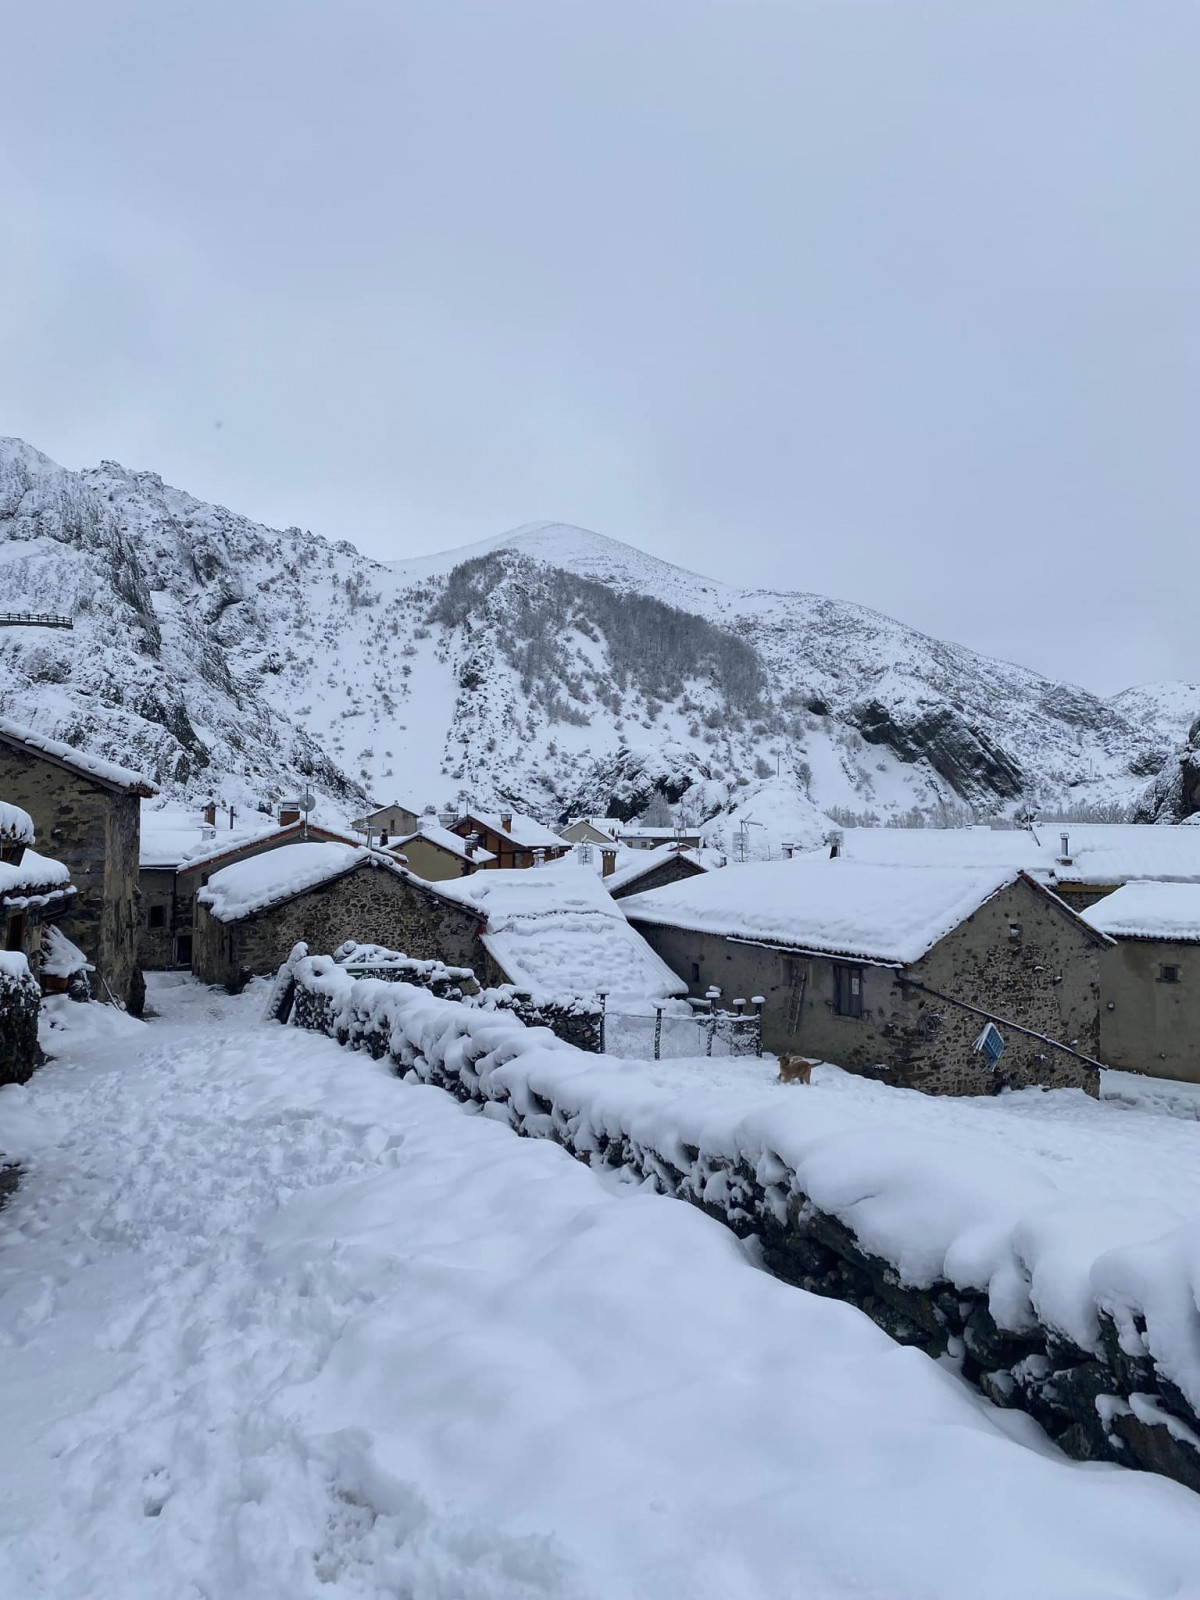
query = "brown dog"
x=795 y=1069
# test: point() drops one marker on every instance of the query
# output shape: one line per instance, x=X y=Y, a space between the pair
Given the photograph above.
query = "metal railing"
x=660 y=1033
x=35 y=619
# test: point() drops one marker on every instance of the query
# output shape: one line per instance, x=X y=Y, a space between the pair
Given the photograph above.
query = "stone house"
x=1150 y=979
x=653 y=869
x=172 y=872
x=512 y=840
x=251 y=913
x=88 y=812
x=35 y=892
x=893 y=972
x=392 y=821
x=436 y=854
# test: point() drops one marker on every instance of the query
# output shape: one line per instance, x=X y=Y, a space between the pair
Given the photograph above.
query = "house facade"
x=512 y=840
x=591 y=830
x=250 y=914
x=87 y=813
x=1150 y=979
x=436 y=854
x=896 y=980
x=394 y=821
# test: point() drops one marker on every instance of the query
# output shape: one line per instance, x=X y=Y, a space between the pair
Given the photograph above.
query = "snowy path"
x=276 y=1325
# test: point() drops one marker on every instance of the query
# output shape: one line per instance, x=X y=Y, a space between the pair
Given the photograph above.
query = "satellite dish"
x=306 y=801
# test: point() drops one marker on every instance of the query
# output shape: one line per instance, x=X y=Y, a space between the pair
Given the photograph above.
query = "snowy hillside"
x=552 y=668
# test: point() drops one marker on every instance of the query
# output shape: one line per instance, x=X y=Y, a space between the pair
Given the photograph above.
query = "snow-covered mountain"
x=552 y=668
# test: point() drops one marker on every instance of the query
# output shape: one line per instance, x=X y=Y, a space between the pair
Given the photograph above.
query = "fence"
x=660 y=1033
x=35 y=619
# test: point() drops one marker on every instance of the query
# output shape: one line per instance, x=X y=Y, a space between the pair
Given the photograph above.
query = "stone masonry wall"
x=96 y=833
x=372 y=905
x=1099 y=1404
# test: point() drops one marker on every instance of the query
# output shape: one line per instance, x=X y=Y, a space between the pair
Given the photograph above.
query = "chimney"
x=506 y=821
x=835 y=845
x=1064 y=854
x=789 y=850
x=608 y=862
x=289 y=812
x=472 y=843
x=210 y=814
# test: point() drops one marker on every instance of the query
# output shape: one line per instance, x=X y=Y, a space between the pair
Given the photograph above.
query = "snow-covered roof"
x=106 y=772
x=557 y=931
x=15 y=824
x=1149 y=911
x=641 y=862
x=445 y=840
x=977 y=847
x=183 y=846
x=525 y=831
x=1122 y=852
x=32 y=876
x=245 y=887
x=878 y=913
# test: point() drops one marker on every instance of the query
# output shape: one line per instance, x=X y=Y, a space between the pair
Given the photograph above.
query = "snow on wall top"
x=878 y=913
x=644 y=861
x=261 y=881
x=447 y=841
x=1149 y=911
x=977 y=848
x=93 y=766
x=525 y=831
x=557 y=931
x=15 y=823
x=33 y=874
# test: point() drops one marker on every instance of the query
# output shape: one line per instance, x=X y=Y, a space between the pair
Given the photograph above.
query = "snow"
x=15 y=967
x=33 y=873
x=638 y=863
x=173 y=836
x=1013 y=1196
x=60 y=958
x=15 y=824
x=244 y=887
x=319 y=1333
x=94 y=766
x=1119 y=852
x=556 y=931
x=879 y=913
x=1149 y=911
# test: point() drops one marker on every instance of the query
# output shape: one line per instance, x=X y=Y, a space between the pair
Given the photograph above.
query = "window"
x=15 y=939
x=847 y=990
x=695 y=972
x=1168 y=974
x=158 y=916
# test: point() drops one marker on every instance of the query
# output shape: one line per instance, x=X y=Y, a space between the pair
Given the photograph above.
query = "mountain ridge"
x=548 y=667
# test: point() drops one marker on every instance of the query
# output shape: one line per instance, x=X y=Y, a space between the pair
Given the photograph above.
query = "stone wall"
x=1045 y=980
x=1099 y=1404
x=373 y=905
x=20 y=1003
x=96 y=832
x=156 y=945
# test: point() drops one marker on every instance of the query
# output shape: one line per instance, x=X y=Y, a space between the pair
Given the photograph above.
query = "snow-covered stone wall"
x=1094 y=1337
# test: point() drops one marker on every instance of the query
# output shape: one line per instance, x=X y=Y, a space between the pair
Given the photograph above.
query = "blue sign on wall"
x=991 y=1042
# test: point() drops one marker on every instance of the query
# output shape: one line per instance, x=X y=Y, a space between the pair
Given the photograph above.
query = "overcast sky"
x=895 y=301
